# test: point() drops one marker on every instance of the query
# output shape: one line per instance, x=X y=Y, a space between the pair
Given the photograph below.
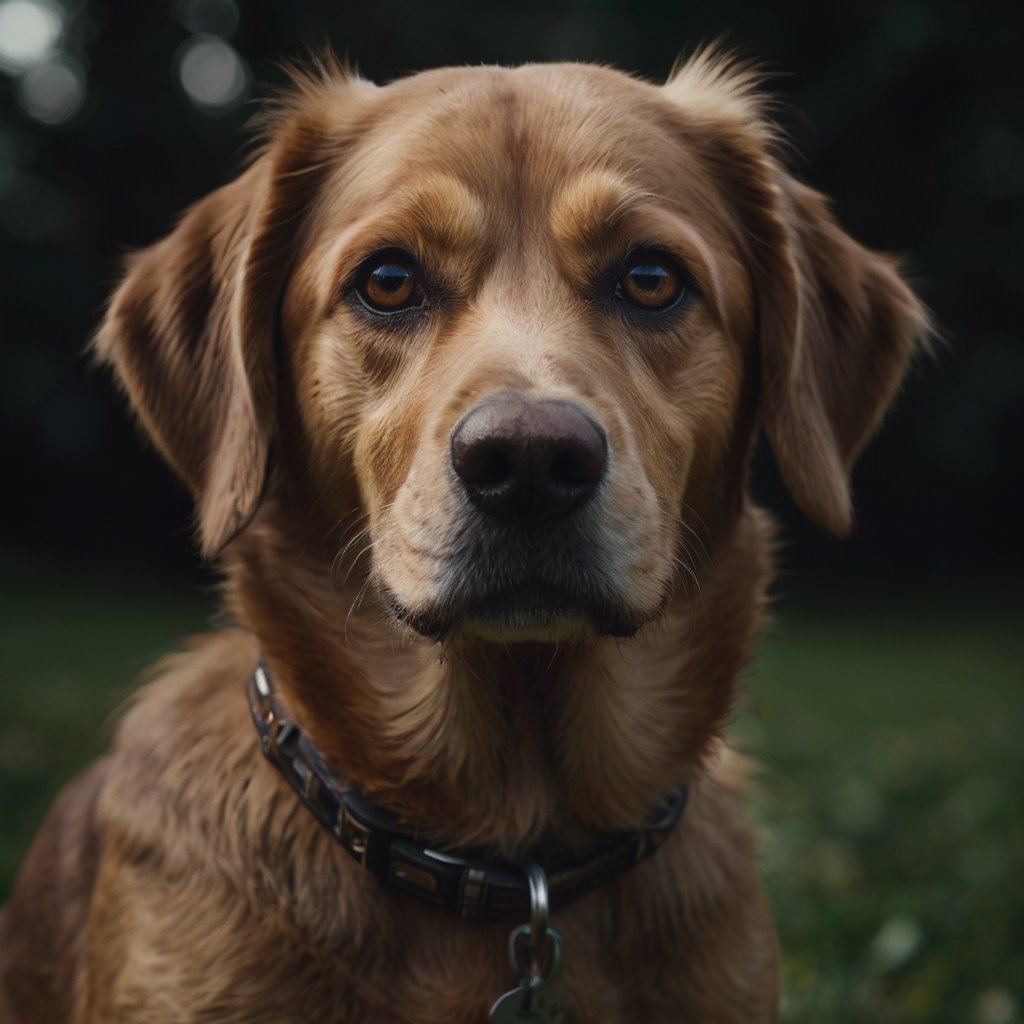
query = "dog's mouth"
x=509 y=580
x=514 y=591
x=532 y=609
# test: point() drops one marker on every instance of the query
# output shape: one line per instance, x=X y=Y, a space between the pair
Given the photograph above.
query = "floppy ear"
x=838 y=328
x=190 y=332
x=837 y=324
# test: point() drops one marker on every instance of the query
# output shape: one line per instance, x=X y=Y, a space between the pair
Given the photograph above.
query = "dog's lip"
x=525 y=607
x=419 y=622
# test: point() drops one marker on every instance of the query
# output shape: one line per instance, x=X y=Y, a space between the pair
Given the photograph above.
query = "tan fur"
x=181 y=880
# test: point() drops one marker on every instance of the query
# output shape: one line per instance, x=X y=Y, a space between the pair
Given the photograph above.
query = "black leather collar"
x=468 y=882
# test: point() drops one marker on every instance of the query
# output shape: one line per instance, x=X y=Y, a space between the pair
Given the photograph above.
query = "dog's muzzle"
x=527 y=556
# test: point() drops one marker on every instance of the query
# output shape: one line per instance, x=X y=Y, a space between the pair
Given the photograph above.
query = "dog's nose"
x=528 y=459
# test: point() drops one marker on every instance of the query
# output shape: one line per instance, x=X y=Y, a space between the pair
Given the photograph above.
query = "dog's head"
x=526 y=323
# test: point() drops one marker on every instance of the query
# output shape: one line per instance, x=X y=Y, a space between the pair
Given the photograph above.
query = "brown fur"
x=180 y=880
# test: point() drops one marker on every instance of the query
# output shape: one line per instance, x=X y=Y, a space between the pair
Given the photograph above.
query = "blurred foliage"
x=888 y=734
x=908 y=112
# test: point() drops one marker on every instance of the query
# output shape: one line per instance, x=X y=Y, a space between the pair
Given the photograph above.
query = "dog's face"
x=524 y=321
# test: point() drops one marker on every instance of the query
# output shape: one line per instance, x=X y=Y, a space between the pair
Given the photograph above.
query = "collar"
x=467 y=881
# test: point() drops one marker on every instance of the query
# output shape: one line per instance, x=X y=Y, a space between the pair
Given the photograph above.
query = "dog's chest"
x=411 y=965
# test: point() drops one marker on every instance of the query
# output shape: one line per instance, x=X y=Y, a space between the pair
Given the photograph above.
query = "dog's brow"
x=590 y=204
x=443 y=212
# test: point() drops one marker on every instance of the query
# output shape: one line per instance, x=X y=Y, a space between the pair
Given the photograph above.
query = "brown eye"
x=387 y=283
x=651 y=280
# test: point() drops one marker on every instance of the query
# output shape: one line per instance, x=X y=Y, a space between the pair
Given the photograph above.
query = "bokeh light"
x=29 y=32
x=213 y=75
x=53 y=92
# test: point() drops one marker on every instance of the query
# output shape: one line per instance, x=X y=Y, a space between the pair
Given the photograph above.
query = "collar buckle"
x=352 y=834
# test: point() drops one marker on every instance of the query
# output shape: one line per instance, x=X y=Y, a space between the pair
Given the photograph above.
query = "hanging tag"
x=549 y=1006
x=535 y=953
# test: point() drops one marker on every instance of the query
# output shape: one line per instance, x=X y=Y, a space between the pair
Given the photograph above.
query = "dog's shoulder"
x=42 y=928
x=190 y=698
x=127 y=804
x=187 y=783
x=168 y=870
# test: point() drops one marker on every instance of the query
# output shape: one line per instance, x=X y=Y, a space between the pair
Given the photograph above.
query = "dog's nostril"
x=483 y=464
x=579 y=464
x=528 y=459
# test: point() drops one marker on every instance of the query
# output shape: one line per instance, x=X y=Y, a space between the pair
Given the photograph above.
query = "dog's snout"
x=526 y=459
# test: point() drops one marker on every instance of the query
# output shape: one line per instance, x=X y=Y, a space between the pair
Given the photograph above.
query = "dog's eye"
x=651 y=280
x=387 y=283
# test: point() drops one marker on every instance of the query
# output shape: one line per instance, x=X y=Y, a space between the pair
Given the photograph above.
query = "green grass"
x=892 y=743
x=70 y=651
x=891 y=737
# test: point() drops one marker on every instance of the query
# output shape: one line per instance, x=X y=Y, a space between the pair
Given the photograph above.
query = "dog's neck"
x=494 y=744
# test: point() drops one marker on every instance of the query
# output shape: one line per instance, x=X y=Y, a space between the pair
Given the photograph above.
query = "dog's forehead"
x=526 y=131
x=575 y=108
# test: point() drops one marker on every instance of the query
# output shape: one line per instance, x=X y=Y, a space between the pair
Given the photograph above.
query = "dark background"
x=908 y=113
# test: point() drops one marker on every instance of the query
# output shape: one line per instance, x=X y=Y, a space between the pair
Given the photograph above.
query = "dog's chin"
x=528 y=613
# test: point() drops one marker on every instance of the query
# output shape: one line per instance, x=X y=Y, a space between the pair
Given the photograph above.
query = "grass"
x=70 y=653
x=891 y=739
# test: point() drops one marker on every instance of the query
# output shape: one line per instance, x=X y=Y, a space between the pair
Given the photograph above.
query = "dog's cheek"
x=638 y=545
x=695 y=432
x=707 y=392
x=719 y=394
x=387 y=443
x=327 y=393
x=412 y=542
x=387 y=448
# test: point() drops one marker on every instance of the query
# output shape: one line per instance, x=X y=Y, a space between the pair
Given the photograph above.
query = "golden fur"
x=179 y=879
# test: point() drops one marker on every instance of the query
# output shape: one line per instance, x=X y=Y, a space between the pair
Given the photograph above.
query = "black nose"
x=528 y=459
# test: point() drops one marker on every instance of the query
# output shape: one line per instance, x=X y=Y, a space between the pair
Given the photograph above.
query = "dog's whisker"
x=354 y=605
x=355 y=561
x=341 y=524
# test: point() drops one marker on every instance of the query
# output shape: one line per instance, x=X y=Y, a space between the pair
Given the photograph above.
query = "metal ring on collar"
x=539 y=907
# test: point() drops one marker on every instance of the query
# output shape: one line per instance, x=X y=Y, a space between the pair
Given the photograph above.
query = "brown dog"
x=464 y=374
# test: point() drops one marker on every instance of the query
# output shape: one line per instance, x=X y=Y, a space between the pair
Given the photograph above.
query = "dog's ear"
x=190 y=331
x=837 y=323
x=838 y=327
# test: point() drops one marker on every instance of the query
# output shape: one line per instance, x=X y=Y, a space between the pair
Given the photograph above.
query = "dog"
x=464 y=374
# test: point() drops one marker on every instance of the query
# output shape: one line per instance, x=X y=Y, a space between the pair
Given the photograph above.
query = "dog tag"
x=549 y=1007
